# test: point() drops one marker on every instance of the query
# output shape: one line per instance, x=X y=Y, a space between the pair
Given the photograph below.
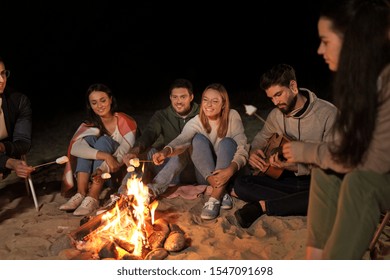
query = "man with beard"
x=164 y=126
x=275 y=187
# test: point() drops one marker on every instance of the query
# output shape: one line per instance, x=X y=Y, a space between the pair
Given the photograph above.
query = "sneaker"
x=87 y=207
x=227 y=202
x=249 y=213
x=73 y=202
x=109 y=204
x=210 y=209
x=155 y=192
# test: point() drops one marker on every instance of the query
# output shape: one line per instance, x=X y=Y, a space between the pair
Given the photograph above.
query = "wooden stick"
x=33 y=193
x=43 y=164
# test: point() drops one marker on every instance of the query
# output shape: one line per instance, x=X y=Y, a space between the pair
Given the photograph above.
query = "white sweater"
x=235 y=131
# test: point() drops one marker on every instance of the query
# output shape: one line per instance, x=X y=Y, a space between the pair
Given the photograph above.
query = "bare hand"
x=127 y=157
x=287 y=152
x=158 y=158
x=20 y=167
x=275 y=161
x=113 y=164
x=220 y=177
x=257 y=160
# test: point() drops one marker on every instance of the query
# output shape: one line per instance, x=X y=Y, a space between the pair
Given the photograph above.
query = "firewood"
x=124 y=244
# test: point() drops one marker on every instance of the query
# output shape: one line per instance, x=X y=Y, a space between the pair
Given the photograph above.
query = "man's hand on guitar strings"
x=275 y=161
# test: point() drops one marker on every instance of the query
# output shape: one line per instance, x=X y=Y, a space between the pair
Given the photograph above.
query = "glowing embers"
x=128 y=231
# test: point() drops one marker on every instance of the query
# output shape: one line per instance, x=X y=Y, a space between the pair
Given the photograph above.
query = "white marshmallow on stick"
x=135 y=162
x=251 y=110
x=106 y=175
x=60 y=160
x=130 y=168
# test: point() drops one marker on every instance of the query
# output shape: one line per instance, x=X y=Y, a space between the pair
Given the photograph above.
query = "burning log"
x=124 y=245
x=97 y=221
x=88 y=227
x=126 y=229
x=108 y=251
x=159 y=235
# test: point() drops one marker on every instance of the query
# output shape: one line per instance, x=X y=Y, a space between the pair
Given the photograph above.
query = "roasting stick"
x=33 y=193
x=60 y=160
x=251 y=110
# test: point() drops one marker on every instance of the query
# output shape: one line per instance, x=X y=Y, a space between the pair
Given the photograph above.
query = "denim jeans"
x=103 y=143
x=206 y=159
x=285 y=196
x=175 y=170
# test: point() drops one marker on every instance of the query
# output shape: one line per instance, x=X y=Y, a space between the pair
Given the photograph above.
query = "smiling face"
x=212 y=104
x=181 y=100
x=331 y=43
x=100 y=103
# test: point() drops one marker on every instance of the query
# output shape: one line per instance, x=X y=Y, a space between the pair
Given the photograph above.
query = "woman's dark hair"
x=92 y=118
x=364 y=26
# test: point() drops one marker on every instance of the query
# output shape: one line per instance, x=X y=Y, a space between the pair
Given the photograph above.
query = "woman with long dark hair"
x=96 y=148
x=352 y=186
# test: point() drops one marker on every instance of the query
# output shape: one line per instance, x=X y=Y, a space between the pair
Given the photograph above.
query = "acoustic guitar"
x=274 y=145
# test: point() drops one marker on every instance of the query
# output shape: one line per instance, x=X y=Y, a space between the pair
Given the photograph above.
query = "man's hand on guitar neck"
x=258 y=160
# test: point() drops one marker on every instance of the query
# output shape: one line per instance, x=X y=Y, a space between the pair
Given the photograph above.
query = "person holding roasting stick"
x=96 y=149
x=163 y=127
x=276 y=187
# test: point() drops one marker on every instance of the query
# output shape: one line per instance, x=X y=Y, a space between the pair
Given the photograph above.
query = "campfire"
x=127 y=230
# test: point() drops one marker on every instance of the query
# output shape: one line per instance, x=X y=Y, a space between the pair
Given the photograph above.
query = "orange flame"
x=125 y=223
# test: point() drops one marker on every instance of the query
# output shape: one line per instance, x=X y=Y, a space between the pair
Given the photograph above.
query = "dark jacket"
x=18 y=120
x=164 y=126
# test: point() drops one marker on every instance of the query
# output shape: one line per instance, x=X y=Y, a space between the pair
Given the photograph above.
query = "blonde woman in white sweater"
x=218 y=147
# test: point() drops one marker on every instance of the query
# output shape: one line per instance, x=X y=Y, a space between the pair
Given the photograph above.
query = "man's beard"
x=290 y=106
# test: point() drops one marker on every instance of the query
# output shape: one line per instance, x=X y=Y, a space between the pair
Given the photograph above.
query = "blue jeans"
x=206 y=159
x=175 y=170
x=103 y=143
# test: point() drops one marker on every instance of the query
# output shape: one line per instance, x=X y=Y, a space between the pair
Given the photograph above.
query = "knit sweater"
x=377 y=156
x=311 y=124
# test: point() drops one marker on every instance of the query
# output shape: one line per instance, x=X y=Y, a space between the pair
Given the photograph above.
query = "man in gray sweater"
x=276 y=187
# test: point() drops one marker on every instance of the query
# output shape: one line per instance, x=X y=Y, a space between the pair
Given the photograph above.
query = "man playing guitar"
x=276 y=187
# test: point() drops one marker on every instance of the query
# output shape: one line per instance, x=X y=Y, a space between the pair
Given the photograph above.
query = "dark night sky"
x=55 y=51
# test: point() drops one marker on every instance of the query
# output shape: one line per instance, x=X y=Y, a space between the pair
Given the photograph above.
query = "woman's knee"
x=227 y=145
x=200 y=139
x=106 y=144
x=365 y=184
